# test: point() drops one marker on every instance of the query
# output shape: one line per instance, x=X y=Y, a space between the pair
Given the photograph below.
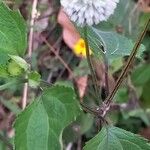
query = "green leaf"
x=2 y=144
x=144 y=17
x=76 y=129
x=113 y=138
x=140 y=113
x=3 y=58
x=9 y=84
x=13 y=37
x=66 y=83
x=16 y=66
x=14 y=69
x=116 y=65
x=145 y=102
x=141 y=75
x=34 y=79
x=20 y=61
x=40 y=125
x=86 y=122
x=3 y=72
x=115 y=45
x=121 y=95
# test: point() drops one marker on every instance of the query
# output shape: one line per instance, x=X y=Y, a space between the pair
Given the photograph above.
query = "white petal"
x=89 y=11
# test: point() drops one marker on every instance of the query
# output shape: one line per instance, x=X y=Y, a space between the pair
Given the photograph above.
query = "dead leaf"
x=144 y=5
x=70 y=34
x=81 y=85
x=145 y=133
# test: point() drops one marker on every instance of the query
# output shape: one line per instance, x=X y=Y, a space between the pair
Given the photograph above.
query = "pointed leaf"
x=34 y=79
x=141 y=75
x=113 y=138
x=12 y=31
x=40 y=126
x=115 y=45
x=20 y=61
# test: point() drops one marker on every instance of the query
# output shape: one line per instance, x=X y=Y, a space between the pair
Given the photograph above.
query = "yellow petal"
x=79 y=48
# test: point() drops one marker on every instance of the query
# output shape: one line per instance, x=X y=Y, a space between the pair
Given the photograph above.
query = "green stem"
x=93 y=74
x=126 y=68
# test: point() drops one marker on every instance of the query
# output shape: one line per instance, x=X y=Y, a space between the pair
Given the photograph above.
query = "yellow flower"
x=80 y=48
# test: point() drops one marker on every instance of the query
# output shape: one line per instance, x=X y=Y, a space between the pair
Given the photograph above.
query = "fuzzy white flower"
x=89 y=12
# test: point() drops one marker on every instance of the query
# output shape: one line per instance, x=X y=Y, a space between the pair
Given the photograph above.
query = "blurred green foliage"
x=124 y=26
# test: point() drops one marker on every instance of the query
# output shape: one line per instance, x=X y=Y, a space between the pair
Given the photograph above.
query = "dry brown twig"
x=30 y=46
x=52 y=49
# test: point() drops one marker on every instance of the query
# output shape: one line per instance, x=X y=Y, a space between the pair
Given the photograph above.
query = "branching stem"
x=104 y=108
x=93 y=74
x=124 y=72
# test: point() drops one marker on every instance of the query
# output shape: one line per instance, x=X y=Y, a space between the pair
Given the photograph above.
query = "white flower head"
x=89 y=12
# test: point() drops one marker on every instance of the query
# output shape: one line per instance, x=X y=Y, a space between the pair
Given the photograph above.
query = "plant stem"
x=58 y=56
x=93 y=74
x=30 y=47
x=88 y=109
x=106 y=75
x=129 y=62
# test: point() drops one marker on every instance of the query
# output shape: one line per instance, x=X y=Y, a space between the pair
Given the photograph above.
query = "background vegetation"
x=53 y=62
